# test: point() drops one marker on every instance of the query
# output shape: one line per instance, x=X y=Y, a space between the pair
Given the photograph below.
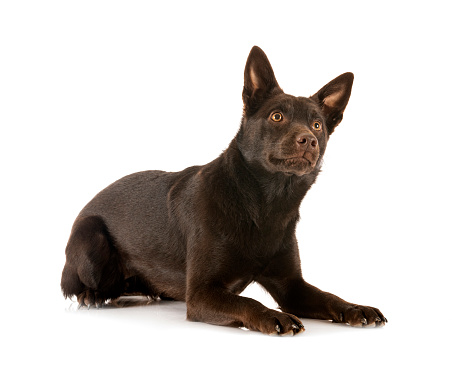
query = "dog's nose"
x=307 y=140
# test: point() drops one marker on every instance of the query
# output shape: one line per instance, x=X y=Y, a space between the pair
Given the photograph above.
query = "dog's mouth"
x=298 y=165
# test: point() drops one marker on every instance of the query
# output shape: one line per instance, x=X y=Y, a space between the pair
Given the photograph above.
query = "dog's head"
x=283 y=133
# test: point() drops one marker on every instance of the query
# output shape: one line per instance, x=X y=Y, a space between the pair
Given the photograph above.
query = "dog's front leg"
x=305 y=300
x=215 y=276
x=284 y=281
x=216 y=305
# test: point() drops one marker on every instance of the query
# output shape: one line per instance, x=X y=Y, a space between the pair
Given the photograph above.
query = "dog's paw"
x=90 y=298
x=277 y=323
x=361 y=316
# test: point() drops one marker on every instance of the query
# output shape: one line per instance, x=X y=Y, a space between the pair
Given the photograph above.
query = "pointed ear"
x=333 y=98
x=259 y=80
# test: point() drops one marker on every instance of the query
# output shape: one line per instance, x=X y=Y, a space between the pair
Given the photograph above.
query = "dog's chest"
x=260 y=244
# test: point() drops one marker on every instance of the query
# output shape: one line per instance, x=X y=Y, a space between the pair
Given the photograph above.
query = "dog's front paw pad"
x=285 y=324
x=362 y=316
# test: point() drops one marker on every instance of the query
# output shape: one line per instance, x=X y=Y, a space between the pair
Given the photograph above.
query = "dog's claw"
x=277 y=328
x=364 y=321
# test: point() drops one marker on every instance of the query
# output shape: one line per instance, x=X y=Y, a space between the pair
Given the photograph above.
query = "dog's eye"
x=277 y=117
x=316 y=126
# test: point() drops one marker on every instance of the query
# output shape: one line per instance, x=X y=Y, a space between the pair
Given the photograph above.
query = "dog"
x=202 y=235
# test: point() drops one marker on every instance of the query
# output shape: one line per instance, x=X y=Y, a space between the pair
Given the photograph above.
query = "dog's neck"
x=281 y=192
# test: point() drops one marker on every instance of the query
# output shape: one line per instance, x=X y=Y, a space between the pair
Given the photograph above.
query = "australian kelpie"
x=204 y=234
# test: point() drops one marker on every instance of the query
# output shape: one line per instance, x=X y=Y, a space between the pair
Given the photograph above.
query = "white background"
x=93 y=90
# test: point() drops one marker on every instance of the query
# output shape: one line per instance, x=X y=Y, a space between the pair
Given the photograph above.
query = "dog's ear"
x=333 y=98
x=259 y=80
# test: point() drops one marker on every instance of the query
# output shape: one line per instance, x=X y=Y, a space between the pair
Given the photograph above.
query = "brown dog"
x=203 y=234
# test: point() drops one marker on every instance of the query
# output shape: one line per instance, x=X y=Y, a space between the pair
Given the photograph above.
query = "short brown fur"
x=203 y=234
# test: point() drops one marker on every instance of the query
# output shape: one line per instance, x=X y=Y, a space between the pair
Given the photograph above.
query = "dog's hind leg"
x=93 y=271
